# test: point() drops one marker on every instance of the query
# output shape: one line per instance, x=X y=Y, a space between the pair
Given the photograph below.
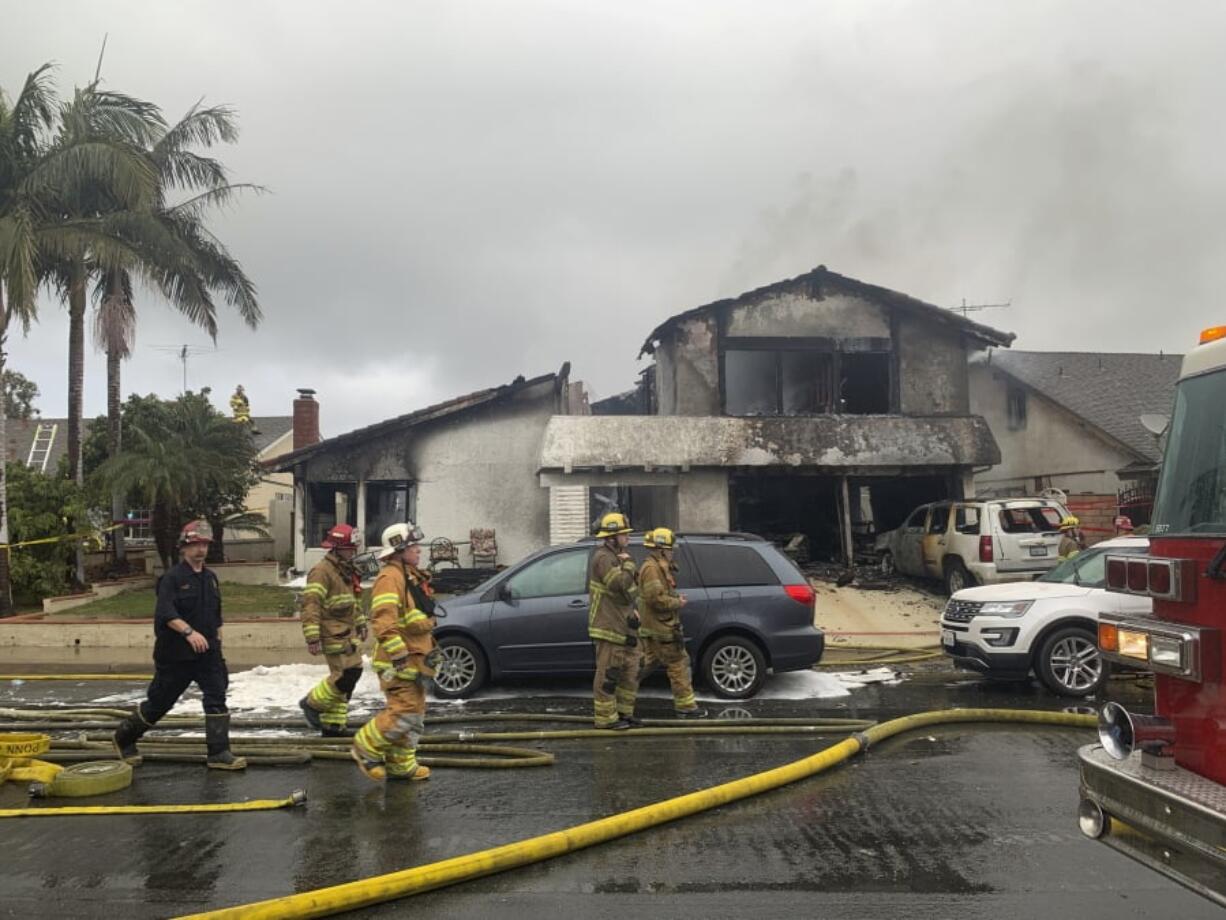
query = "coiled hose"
x=362 y=893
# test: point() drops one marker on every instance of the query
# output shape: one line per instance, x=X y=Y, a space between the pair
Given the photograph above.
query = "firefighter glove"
x=632 y=640
x=362 y=632
x=434 y=659
x=314 y=646
x=633 y=621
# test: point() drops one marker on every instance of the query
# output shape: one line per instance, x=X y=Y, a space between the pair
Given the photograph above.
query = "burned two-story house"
x=820 y=406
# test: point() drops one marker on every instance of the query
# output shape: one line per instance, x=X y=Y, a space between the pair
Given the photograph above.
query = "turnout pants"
x=676 y=663
x=392 y=735
x=613 y=688
x=330 y=697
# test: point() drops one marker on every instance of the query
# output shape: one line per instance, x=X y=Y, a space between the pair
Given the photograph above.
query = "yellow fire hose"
x=297 y=797
x=139 y=677
x=362 y=893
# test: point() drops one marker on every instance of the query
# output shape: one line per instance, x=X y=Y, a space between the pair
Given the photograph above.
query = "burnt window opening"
x=787 y=381
x=865 y=383
x=331 y=503
x=387 y=503
x=1015 y=408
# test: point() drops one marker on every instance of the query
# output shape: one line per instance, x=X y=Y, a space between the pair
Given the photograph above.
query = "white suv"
x=1049 y=626
x=971 y=542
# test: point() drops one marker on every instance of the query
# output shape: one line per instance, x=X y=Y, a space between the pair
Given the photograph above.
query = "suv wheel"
x=734 y=667
x=956 y=577
x=887 y=564
x=1068 y=662
x=463 y=671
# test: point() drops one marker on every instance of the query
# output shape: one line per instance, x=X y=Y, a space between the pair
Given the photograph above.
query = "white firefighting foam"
x=276 y=690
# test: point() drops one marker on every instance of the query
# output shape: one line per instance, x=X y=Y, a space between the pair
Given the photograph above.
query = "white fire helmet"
x=398 y=537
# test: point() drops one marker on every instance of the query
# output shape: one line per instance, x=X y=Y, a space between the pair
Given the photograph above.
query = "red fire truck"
x=1155 y=786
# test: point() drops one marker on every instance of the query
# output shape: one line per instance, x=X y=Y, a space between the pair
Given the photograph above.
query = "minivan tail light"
x=802 y=594
x=985 y=549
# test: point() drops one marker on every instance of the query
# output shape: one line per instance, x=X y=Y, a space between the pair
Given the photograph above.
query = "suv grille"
x=961 y=611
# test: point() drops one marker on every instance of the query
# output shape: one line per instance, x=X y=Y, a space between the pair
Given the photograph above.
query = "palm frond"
x=221 y=197
x=115 y=316
x=126 y=174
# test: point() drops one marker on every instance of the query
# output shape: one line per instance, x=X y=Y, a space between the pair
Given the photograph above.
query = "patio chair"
x=442 y=551
x=483 y=547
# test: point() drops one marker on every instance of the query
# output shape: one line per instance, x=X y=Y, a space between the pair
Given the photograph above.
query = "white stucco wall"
x=702 y=501
x=793 y=314
x=480 y=471
x=1054 y=444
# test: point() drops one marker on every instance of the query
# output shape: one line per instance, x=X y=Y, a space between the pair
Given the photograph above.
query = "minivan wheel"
x=734 y=667
x=956 y=577
x=463 y=671
x=1068 y=662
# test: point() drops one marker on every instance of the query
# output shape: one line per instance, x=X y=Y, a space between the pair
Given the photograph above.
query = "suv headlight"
x=1005 y=608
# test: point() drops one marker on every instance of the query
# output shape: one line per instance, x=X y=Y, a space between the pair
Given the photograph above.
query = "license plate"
x=1038 y=550
x=947 y=638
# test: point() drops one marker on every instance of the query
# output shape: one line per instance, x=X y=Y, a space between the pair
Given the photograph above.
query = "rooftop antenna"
x=182 y=353
x=98 y=69
x=965 y=308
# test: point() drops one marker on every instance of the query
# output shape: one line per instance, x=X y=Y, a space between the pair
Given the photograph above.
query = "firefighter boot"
x=371 y=769
x=310 y=714
x=126 y=736
x=217 y=741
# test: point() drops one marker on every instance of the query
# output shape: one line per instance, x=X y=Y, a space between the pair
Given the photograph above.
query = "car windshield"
x=1089 y=567
x=1191 y=497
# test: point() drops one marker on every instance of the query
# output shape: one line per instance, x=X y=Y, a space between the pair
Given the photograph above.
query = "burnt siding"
x=933 y=377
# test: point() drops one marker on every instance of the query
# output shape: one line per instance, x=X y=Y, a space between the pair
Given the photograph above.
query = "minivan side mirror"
x=504 y=593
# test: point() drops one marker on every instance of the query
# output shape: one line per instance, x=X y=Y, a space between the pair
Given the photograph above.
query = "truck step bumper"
x=1172 y=820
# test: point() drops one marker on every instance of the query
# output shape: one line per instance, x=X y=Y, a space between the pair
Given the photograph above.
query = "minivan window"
x=685 y=575
x=1035 y=519
x=553 y=576
x=723 y=565
x=940 y=519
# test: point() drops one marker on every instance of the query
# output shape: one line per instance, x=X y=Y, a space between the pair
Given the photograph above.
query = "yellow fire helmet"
x=1069 y=522
x=613 y=523
x=659 y=538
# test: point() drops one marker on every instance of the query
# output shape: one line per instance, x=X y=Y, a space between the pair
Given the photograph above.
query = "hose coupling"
x=297 y=797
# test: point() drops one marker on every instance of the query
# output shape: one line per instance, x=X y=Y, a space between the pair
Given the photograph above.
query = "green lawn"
x=237 y=600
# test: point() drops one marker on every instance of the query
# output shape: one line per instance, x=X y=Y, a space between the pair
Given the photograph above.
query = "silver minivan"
x=975 y=542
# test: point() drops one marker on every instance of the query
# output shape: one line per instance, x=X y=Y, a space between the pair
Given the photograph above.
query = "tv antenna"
x=182 y=353
x=966 y=308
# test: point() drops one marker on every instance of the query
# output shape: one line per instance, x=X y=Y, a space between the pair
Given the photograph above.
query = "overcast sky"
x=463 y=192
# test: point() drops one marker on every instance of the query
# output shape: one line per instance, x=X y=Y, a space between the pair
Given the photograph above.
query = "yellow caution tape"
x=62 y=539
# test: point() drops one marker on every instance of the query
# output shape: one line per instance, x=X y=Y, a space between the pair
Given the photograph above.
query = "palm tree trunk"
x=163 y=534
x=76 y=387
x=114 y=420
x=6 y=588
x=217 y=549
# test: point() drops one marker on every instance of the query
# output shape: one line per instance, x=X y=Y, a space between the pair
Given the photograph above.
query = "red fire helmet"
x=195 y=532
x=342 y=536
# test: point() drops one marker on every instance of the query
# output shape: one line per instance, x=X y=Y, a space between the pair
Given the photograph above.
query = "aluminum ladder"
x=40 y=448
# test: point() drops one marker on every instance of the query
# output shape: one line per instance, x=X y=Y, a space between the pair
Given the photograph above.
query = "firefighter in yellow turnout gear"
x=406 y=657
x=334 y=625
x=613 y=625
x=661 y=638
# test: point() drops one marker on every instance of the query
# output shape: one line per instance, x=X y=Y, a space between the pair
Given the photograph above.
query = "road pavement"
x=964 y=821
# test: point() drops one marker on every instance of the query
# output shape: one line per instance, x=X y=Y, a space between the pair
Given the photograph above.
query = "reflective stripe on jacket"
x=613 y=593
x=401 y=629
x=658 y=600
x=332 y=591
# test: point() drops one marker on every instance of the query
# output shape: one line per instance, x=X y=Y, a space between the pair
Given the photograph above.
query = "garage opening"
x=780 y=507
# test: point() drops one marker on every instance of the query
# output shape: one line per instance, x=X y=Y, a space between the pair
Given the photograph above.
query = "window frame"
x=578 y=551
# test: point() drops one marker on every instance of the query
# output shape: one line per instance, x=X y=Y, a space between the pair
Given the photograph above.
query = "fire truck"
x=1154 y=787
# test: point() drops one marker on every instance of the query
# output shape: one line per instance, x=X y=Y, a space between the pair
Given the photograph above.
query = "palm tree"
x=34 y=230
x=177 y=254
x=178 y=461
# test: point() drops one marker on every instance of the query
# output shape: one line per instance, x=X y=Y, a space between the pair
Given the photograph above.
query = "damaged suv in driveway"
x=749 y=613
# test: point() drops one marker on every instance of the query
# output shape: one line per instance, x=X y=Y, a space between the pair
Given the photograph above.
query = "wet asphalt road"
x=956 y=822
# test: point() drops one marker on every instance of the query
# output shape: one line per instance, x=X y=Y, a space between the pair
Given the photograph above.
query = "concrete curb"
x=274 y=634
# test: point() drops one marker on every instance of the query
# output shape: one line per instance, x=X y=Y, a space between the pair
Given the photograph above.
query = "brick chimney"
x=306 y=420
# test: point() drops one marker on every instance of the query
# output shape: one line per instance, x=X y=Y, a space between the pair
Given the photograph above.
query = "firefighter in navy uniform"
x=406 y=657
x=661 y=638
x=187 y=649
x=334 y=625
x=613 y=625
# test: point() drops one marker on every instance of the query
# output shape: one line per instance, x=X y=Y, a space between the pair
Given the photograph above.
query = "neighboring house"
x=39 y=443
x=820 y=405
x=464 y=464
x=1072 y=421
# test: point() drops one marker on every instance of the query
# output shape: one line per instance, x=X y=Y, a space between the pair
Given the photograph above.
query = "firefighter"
x=334 y=625
x=187 y=649
x=661 y=638
x=240 y=406
x=1070 y=540
x=406 y=657
x=613 y=625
